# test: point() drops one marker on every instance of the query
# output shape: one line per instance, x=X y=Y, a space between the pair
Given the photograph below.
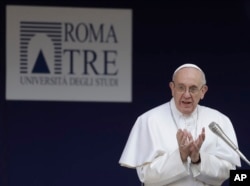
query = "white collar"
x=177 y=114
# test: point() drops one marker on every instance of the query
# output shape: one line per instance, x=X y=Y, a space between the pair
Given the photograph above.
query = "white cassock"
x=153 y=150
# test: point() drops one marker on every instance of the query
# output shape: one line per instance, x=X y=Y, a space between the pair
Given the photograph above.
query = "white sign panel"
x=68 y=54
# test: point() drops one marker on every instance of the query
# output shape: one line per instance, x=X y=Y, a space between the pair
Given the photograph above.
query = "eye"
x=193 y=89
x=181 y=88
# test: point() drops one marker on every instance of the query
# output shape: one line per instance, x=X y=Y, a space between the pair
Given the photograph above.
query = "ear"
x=171 y=85
x=203 y=91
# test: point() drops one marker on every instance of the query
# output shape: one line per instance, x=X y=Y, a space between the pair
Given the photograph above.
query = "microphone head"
x=214 y=127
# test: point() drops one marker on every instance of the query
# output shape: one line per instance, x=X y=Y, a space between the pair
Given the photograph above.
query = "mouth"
x=186 y=103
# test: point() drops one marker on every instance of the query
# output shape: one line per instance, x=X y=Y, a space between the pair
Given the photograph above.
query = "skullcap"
x=187 y=65
x=191 y=66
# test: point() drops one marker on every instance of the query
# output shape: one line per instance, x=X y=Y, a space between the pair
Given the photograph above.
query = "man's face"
x=187 y=89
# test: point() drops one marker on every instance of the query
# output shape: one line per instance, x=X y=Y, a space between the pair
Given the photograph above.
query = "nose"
x=187 y=93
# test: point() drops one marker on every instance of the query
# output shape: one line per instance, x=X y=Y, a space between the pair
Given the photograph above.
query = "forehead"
x=188 y=75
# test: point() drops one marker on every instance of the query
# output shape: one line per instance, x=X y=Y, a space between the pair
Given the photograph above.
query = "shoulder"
x=157 y=113
x=212 y=113
x=163 y=108
x=209 y=110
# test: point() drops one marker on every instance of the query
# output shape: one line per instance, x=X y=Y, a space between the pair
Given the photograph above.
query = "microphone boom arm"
x=219 y=132
x=242 y=156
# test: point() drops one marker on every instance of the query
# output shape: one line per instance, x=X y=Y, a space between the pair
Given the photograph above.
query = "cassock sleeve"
x=145 y=152
x=141 y=147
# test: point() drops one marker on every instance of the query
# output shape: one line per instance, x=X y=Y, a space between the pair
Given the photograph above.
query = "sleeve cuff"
x=195 y=167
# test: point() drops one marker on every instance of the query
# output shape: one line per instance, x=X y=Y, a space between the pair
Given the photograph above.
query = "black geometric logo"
x=29 y=30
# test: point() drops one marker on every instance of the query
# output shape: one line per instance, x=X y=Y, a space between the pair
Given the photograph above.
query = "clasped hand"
x=188 y=146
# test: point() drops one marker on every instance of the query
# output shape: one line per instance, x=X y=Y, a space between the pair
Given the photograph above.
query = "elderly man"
x=172 y=145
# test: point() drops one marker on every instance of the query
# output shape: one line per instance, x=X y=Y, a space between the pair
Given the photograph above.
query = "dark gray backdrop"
x=80 y=143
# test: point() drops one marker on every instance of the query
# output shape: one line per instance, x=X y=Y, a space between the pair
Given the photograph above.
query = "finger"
x=179 y=134
x=200 y=141
x=180 y=137
x=190 y=137
x=203 y=134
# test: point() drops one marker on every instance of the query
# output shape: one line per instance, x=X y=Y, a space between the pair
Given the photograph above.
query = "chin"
x=187 y=111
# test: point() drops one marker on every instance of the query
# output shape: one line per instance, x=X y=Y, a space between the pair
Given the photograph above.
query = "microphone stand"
x=215 y=128
x=242 y=156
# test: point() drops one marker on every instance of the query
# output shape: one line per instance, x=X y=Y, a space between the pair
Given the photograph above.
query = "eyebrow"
x=185 y=85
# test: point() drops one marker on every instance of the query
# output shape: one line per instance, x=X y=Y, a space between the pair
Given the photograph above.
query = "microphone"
x=215 y=128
